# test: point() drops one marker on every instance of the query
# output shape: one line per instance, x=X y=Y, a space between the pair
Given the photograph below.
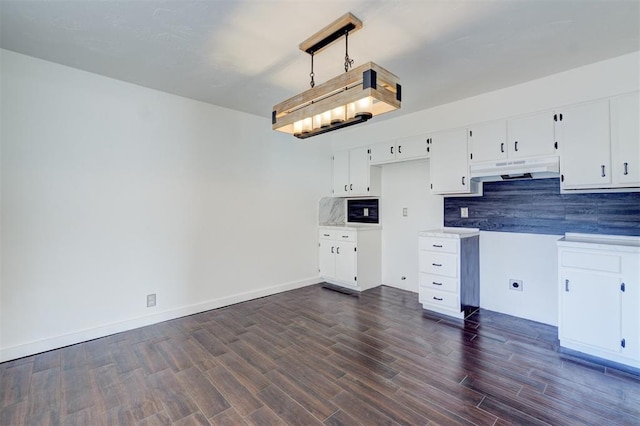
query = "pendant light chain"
x=312 y=83
x=348 y=62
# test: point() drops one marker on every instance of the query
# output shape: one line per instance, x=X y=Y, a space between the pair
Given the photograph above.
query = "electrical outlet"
x=464 y=212
x=405 y=212
x=515 y=285
x=151 y=300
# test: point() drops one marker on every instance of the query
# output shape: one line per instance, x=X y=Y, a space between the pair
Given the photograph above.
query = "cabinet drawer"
x=439 y=298
x=326 y=234
x=446 y=245
x=439 y=263
x=436 y=282
x=337 y=234
x=592 y=261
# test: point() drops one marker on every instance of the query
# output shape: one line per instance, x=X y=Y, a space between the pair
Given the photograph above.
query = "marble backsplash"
x=331 y=211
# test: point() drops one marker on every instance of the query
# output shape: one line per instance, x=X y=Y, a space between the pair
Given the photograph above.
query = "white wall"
x=406 y=185
x=535 y=265
x=112 y=191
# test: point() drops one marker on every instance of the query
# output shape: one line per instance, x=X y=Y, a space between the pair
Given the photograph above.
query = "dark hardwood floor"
x=313 y=356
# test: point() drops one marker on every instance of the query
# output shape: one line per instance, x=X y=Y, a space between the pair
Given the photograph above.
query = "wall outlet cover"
x=515 y=285
x=464 y=212
x=151 y=300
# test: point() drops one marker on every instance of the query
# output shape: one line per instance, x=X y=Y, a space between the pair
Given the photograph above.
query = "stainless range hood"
x=534 y=168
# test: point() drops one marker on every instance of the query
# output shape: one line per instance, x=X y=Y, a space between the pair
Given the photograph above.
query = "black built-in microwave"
x=363 y=210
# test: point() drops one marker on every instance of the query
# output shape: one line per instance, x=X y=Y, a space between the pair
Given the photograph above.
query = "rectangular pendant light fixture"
x=350 y=98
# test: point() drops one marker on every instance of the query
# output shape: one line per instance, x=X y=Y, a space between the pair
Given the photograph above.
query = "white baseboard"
x=60 y=341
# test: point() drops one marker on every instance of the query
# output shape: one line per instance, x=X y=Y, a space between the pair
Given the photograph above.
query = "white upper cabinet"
x=341 y=173
x=405 y=149
x=585 y=159
x=352 y=176
x=531 y=135
x=449 y=168
x=600 y=144
x=625 y=140
x=488 y=141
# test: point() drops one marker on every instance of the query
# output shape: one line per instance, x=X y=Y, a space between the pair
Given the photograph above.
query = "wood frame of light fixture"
x=367 y=80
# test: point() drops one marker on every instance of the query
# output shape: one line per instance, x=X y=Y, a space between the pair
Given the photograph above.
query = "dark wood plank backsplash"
x=537 y=207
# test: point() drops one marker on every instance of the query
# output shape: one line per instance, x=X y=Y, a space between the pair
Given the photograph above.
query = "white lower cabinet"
x=449 y=271
x=599 y=294
x=349 y=256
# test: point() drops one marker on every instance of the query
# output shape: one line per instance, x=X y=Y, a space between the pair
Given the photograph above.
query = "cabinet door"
x=327 y=260
x=625 y=140
x=585 y=146
x=449 y=169
x=359 y=171
x=341 y=173
x=346 y=262
x=590 y=309
x=411 y=148
x=531 y=136
x=488 y=141
x=631 y=305
x=382 y=153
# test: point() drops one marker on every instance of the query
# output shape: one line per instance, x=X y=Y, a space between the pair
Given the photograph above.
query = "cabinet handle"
x=602 y=166
x=463 y=181
x=332 y=249
x=437 y=298
x=399 y=149
x=437 y=264
x=566 y=285
x=392 y=150
x=515 y=145
x=325 y=235
x=345 y=236
x=623 y=343
x=626 y=168
x=437 y=245
x=351 y=187
x=502 y=147
x=435 y=283
x=345 y=188
x=337 y=250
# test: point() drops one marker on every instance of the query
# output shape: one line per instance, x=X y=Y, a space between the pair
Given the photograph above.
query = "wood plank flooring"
x=315 y=356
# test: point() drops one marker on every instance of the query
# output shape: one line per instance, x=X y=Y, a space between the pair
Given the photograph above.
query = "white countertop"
x=599 y=241
x=451 y=232
x=354 y=226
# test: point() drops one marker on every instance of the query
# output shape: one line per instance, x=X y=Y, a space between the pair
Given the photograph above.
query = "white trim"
x=56 y=342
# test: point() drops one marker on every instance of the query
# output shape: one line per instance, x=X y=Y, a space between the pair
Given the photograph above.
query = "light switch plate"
x=405 y=212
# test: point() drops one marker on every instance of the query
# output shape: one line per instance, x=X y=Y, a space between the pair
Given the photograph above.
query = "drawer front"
x=326 y=234
x=592 y=261
x=440 y=283
x=439 y=298
x=337 y=234
x=445 y=245
x=439 y=263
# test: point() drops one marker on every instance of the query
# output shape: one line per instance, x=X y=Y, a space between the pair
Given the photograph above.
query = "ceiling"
x=243 y=54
